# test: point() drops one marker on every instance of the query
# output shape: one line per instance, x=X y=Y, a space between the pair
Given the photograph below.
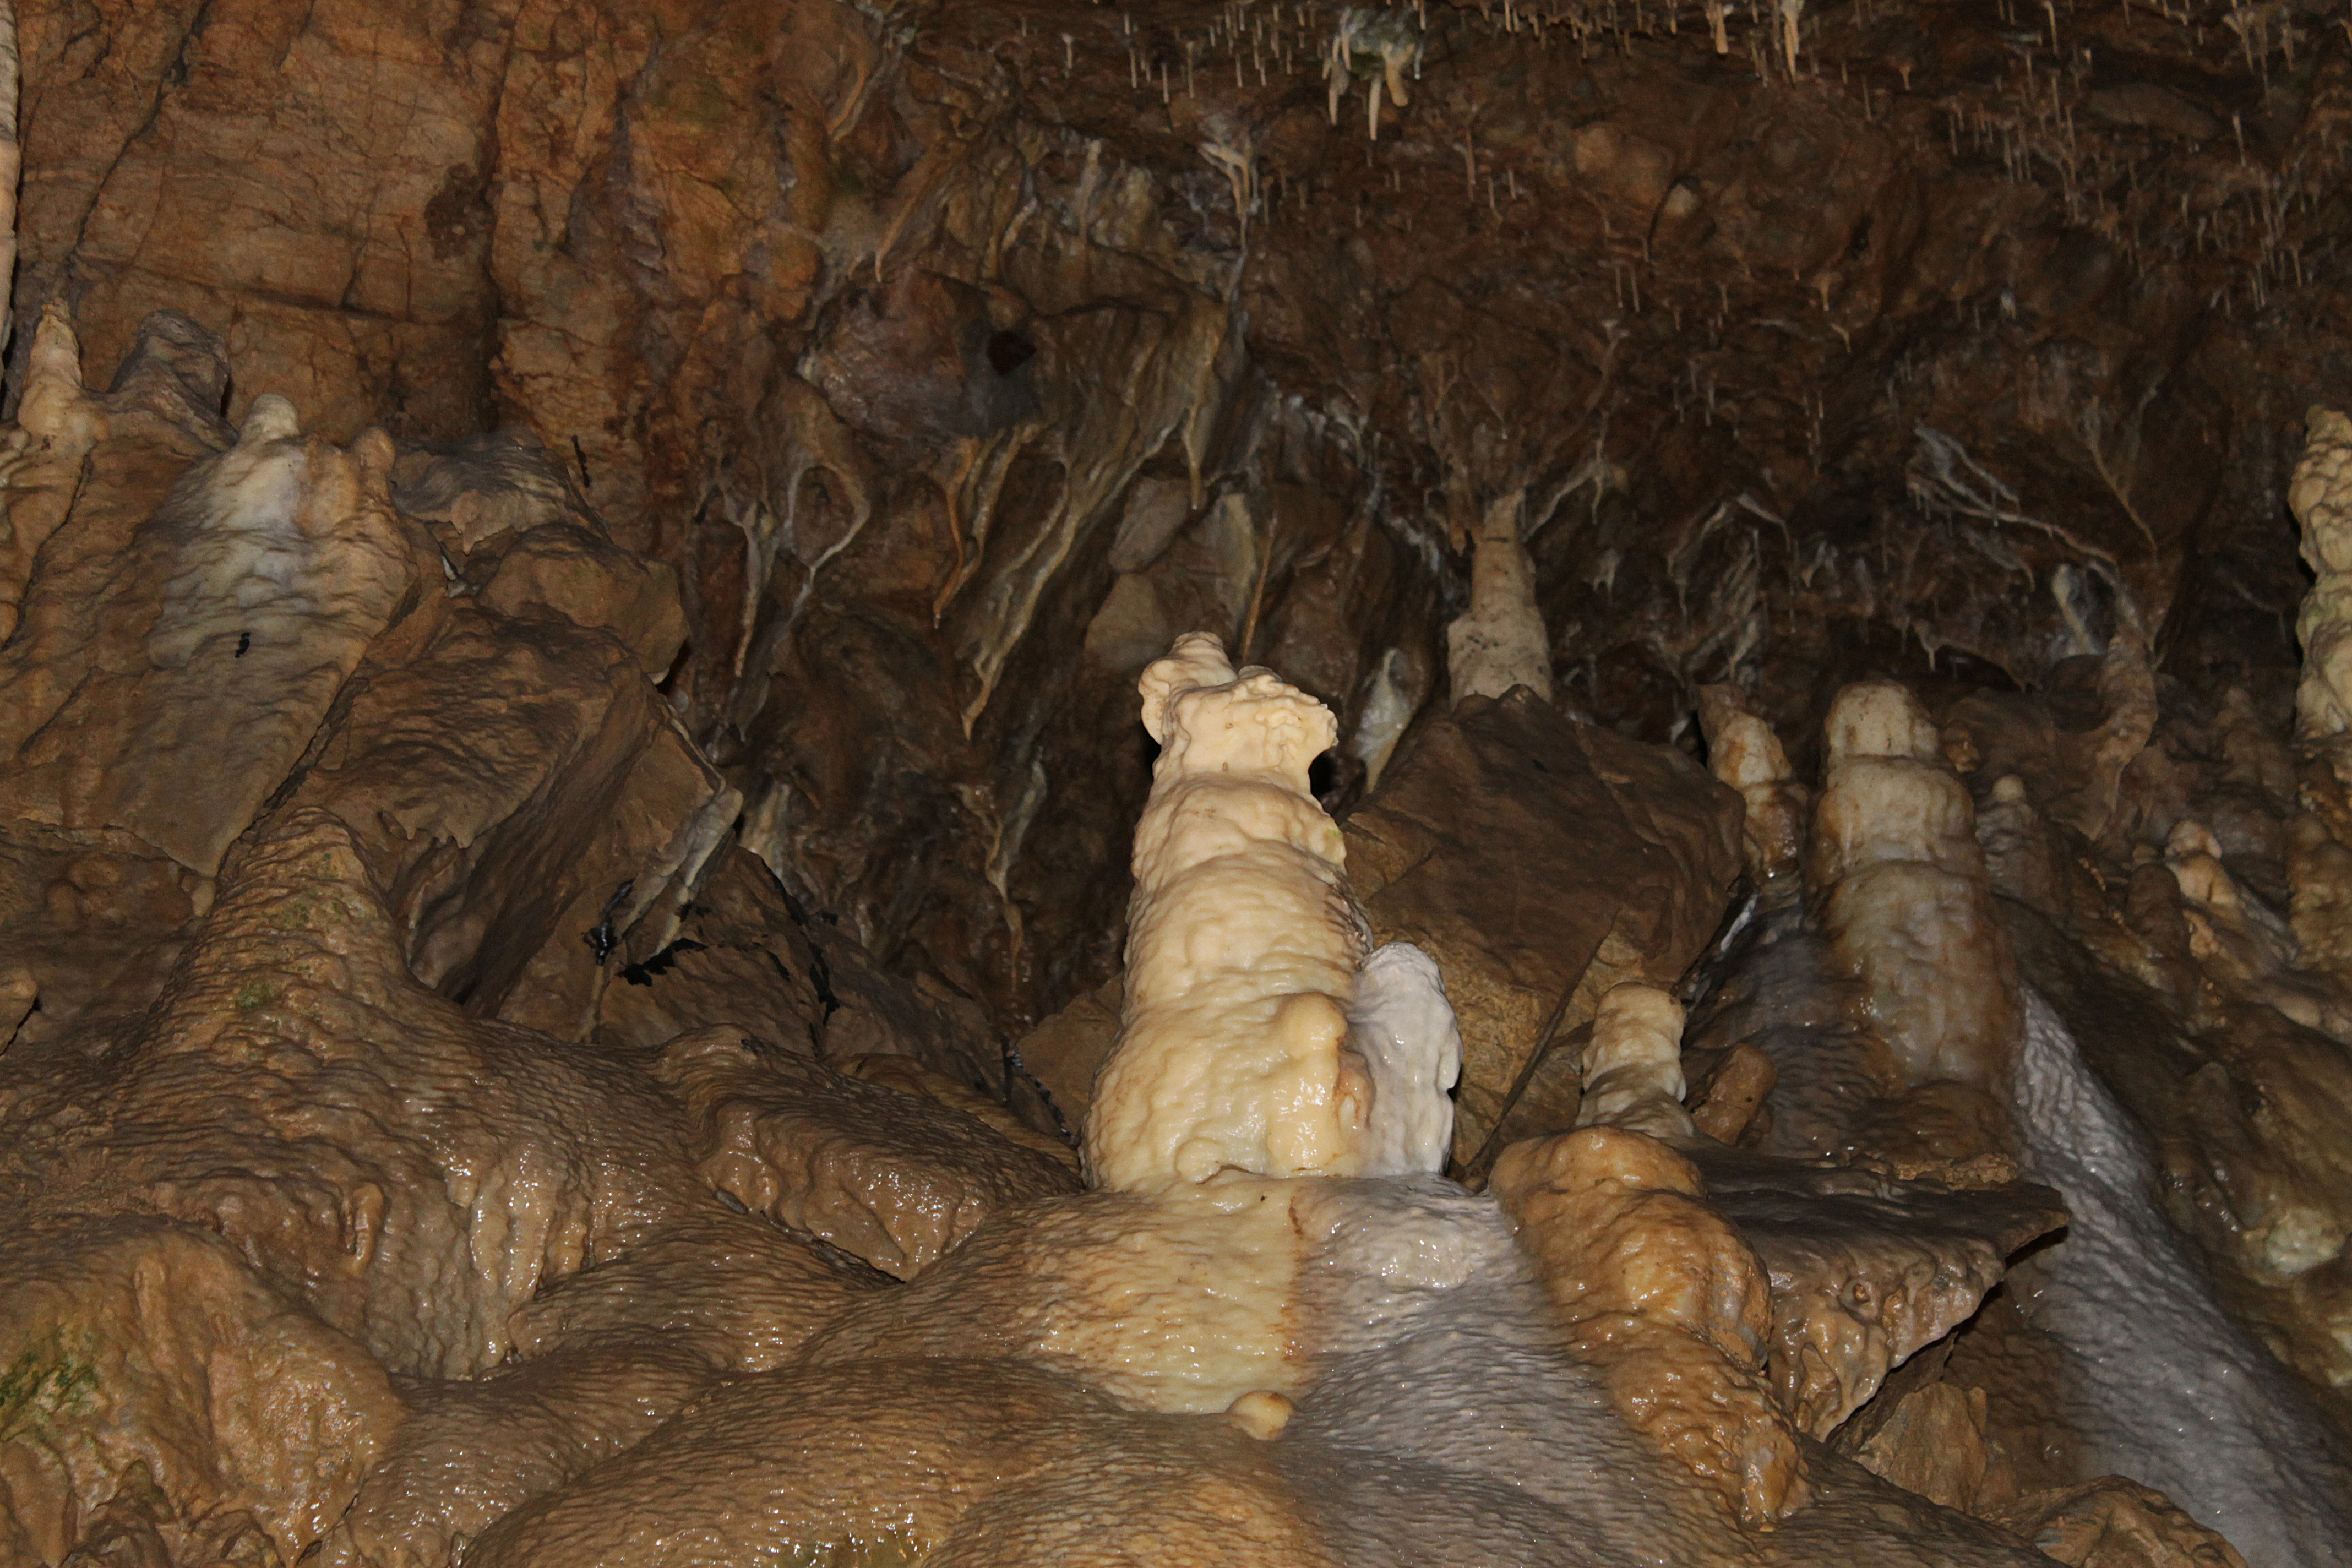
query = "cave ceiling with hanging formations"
x=983 y=783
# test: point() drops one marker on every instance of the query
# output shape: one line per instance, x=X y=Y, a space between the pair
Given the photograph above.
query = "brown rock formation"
x=1540 y=862
x=529 y=887
x=1657 y=1287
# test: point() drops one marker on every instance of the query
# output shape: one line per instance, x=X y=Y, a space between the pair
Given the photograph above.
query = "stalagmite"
x=56 y=414
x=1244 y=945
x=1901 y=886
x=1632 y=1067
x=1659 y=1289
x=2320 y=497
x=1388 y=708
x=58 y=423
x=1400 y=1022
x=1742 y=751
x=1500 y=643
x=2019 y=860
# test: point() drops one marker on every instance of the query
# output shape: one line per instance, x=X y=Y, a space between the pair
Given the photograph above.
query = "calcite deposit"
x=1723 y=935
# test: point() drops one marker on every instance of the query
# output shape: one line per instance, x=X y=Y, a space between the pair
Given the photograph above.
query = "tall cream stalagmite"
x=1235 y=1050
x=1903 y=892
x=1742 y=751
x=1500 y=643
x=1241 y=944
x=2321 y=498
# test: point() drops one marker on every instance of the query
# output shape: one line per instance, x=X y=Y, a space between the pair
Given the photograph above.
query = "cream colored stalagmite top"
x=1501 y=642
x=1244 y=945
x=1633 y=1066
x=2321 y=498
x=1903 y=892
x=1743 y=752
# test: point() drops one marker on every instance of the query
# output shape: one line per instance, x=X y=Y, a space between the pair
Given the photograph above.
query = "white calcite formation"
x=1900 y=885
x=1633 y=1067
x=1743 y=752
x=2165 y=1386
x=1500 y=643
x=1402 y=1025
x=1236 y=1050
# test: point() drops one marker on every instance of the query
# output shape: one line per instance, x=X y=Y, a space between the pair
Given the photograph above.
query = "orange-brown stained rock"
x=891 y=1176
x=1865 y=1270
x=732 y=1288
x=471 y=1452
x=1529 y=855
x=1726 y=1095
x=2114 y=1523
x=976 y=1464
x=505 y=779
x=165 y=687
x=137 y=1341
x=1182 y=1303
x=1933 y=1443
x=412 y=1174
x=413 y=1177
x=909 y=1076
x=563 y=572
x=1661 y=1292
x=741 y=959
x=41 y=468
x=1065 y=1049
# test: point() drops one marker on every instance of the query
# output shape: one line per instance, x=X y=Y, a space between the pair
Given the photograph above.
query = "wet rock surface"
x=568 y=750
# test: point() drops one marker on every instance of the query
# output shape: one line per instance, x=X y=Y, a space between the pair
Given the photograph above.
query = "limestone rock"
x=1655 y=1286
x=564 y=573
x=1067 y=1050
x=2112 y=1523
x=910 y=1076
x=1540 y=862
x=490 y=491
x=959 y=1461
x=889 y=1176
x=137 y=1346
x=1726 y=1095
x=1933 y=1443
x=1865 y=1270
